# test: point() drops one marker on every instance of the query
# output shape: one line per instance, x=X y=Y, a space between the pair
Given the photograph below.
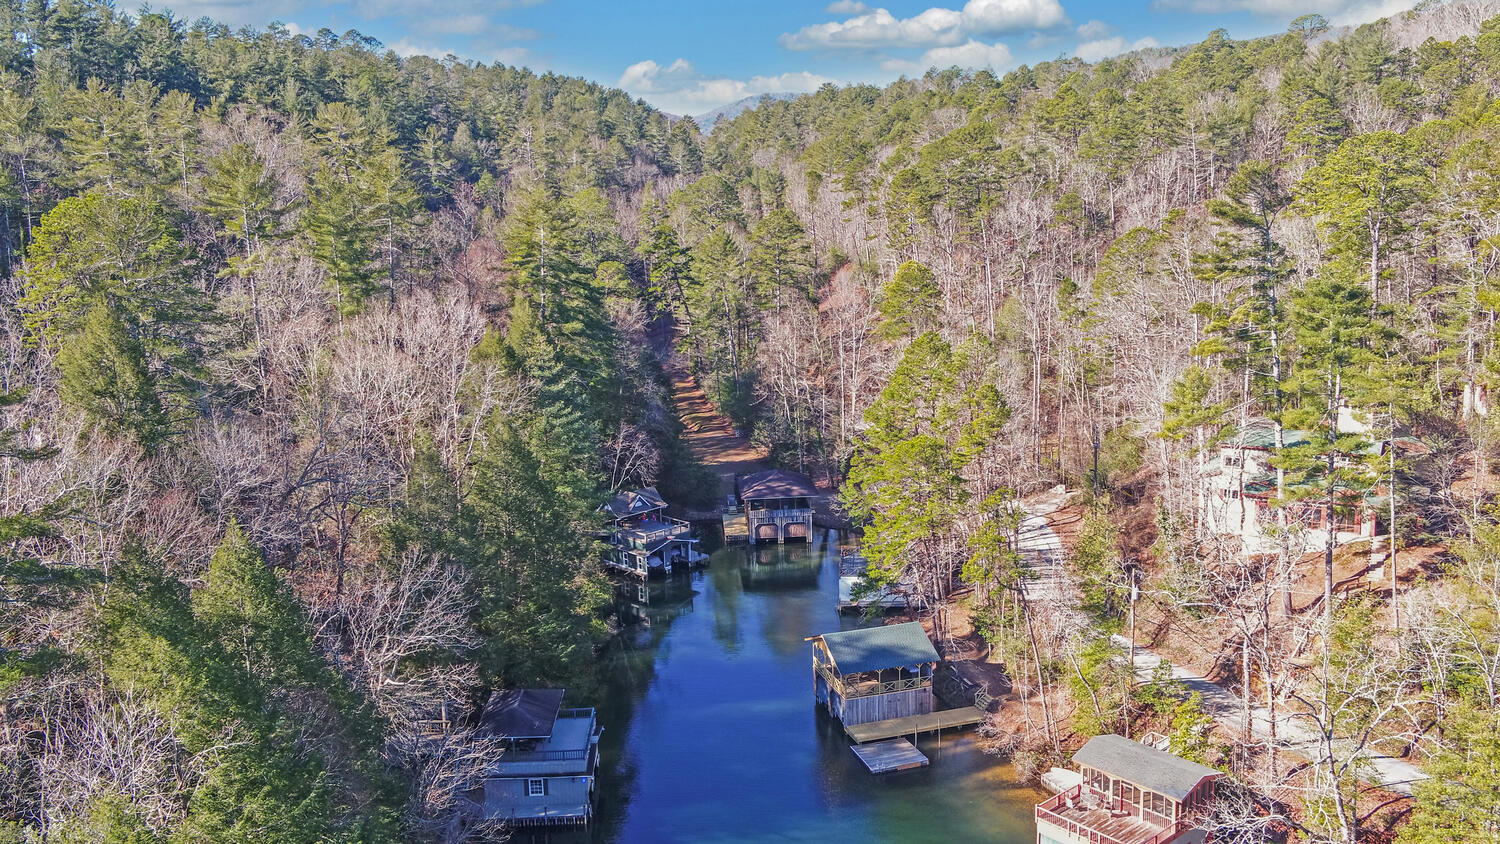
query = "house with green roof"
x=875 y=673
x=1239 y=492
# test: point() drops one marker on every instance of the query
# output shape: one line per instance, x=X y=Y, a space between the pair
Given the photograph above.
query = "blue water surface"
x=711 y=734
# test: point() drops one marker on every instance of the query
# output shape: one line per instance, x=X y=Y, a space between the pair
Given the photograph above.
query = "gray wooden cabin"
x=874 y=674
x=643 y=539
x=547 y=773
x=1129 y=794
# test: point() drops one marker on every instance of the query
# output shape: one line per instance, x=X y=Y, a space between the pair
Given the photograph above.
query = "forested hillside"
x=319 y=362
x=1095 y=274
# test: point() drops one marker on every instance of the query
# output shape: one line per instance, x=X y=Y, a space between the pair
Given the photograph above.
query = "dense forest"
x=319 y=362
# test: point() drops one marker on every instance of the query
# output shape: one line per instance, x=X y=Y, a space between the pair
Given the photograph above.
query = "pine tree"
x=342 y=238
x=124 y=254
x=1340 y=360
x=241 y=195
x=539 y=589
x=781 y=259
x=246 y=608
x=910 y=303
x=29 y=581
x=668 y=264
x=105 y=375
x=1361 y=193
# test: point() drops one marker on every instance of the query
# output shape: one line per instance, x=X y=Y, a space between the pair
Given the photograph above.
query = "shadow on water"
x=711 y=734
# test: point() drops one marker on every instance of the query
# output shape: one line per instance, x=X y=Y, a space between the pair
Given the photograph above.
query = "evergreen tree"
x=105 y=375
x=1361 y=193
x=1340 y=360
x=28 y=581
x=342 y=238
x=668 y=264
x=539 y=588
x=259 y=623
x=909 y=304
x=241 y=195
x=780 y=259
x=906 y=478
x=1460 y=798
x=124 y=255
x=724 y=326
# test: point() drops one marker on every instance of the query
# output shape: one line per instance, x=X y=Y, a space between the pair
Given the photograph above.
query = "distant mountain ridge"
x=707 y=119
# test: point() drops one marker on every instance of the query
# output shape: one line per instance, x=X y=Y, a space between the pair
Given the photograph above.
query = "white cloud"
x=936 y=27
x=1340 y=12
x=993 y=17
x=1095 y=29
x=972 y=54
x=516 y=57
x=1103 y=48
x=680 y=88
x=406 y=48
x=846 y=7
x=235 y=12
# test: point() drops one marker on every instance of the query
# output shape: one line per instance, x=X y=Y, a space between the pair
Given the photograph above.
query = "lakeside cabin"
x=1128 y=793
x=644 y=540
x=875 y=674
x=1241 y=489
x=774 y=504
x=547 y=773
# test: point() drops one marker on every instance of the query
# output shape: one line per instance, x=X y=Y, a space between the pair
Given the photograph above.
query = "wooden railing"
x=1046 y=811
x=883 y=687
x=793 y=513
x=1169 y=833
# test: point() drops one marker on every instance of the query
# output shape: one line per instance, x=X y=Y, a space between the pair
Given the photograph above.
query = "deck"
x=1101 y=823
x=884 y=757
x=966 y=716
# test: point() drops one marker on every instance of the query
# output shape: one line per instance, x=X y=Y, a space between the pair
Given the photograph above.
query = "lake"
x=711 y=734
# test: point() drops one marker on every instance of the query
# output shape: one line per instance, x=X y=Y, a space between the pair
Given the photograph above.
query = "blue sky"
x=689 y=57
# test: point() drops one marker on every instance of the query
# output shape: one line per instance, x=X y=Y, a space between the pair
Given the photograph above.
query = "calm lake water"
x=711 y=734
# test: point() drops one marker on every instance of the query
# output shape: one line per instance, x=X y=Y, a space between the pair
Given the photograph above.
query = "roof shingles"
x=1147 y=767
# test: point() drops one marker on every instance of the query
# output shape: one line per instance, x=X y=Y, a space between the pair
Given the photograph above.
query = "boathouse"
x=1129 y=793
x=775 y=504
x=855 y=591
x=874 y=674
x=546 y=774
x=643 y=539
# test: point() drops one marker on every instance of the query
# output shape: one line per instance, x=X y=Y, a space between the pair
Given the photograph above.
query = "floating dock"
x=884 y=757
x=966 y=716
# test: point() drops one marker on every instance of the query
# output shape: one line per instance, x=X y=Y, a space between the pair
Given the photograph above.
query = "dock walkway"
x=884 y=757
x=966 y=716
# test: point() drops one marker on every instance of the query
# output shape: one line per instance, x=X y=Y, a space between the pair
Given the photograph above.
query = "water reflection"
x=711 y=734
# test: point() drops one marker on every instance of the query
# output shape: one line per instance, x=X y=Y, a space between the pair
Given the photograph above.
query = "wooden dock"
x=966 y=716
x=884 y=757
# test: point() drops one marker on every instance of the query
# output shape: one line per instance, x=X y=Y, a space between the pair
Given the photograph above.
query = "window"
x=1231 y=460
x=1156 y=803
x=536 y=788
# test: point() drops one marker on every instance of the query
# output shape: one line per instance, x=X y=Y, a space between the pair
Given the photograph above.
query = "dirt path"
x=709 y=435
